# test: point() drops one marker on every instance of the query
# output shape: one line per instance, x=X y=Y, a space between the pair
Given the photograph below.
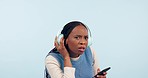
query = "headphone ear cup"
x=89 y=41
x=89 y=38
x=59 y=38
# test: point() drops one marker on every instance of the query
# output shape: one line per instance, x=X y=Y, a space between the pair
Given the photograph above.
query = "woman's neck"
x=73 y=55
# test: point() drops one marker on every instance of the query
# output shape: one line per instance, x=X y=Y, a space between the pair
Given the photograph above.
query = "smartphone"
x=101 y=72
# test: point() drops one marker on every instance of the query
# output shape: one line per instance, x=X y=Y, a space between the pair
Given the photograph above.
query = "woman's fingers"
x=62 y=42
x=60 y=47
x=98 y=70
x=102 y=76
x=56 y=43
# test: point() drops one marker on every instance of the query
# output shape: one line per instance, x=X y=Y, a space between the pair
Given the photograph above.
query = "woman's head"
x=69 y=27
x=76 y=38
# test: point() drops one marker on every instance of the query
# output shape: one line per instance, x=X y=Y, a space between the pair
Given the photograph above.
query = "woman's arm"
x=96 y=64
x=53 y=68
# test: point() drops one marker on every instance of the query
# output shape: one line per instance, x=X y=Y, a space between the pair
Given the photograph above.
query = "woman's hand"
x=101 y=76
x=61 y=48
x=63 y=51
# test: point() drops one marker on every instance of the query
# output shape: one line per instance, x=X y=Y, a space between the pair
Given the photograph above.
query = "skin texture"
x=77 y=42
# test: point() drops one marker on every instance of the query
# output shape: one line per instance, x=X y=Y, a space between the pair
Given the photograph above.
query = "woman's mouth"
x=81 y=49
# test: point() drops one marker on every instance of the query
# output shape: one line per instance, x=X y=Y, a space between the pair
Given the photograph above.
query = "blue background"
x=119 y=29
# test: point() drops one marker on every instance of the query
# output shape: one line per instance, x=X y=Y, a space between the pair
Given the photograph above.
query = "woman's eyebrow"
x=78 y=35
x=81 y=35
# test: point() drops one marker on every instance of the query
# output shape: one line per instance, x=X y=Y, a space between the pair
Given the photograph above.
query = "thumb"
x=98 y=70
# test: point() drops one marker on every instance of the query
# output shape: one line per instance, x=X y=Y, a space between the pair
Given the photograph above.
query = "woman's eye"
x=86 y=38
x=76 y=37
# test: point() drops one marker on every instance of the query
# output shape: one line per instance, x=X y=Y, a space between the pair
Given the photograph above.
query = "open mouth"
x=81 y=49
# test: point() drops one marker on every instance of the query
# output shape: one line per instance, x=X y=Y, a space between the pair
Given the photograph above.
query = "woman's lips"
x=81 y=49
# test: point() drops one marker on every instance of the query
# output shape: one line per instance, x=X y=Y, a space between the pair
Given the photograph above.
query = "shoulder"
x=92 y=51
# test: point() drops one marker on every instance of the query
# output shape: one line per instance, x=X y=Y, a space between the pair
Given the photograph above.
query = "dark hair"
x=69 y=27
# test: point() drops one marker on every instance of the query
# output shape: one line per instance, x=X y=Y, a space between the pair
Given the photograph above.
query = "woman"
x=72 y=57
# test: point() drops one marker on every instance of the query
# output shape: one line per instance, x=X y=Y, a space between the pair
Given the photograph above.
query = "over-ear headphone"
x=59 y=36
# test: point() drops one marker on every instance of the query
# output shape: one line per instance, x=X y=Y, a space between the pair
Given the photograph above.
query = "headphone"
x=59 y=36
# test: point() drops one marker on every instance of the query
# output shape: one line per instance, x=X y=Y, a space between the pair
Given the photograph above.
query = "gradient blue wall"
x=119 y=29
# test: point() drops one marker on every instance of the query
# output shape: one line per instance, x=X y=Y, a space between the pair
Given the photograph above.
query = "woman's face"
x=77 y=41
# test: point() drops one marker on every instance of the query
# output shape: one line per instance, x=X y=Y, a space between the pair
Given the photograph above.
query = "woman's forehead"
x=80 y=29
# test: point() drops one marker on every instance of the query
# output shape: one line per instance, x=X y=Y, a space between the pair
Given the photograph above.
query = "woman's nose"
x=83 y=41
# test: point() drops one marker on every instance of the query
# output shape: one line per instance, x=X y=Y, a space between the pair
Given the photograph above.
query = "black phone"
x=101 y=72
